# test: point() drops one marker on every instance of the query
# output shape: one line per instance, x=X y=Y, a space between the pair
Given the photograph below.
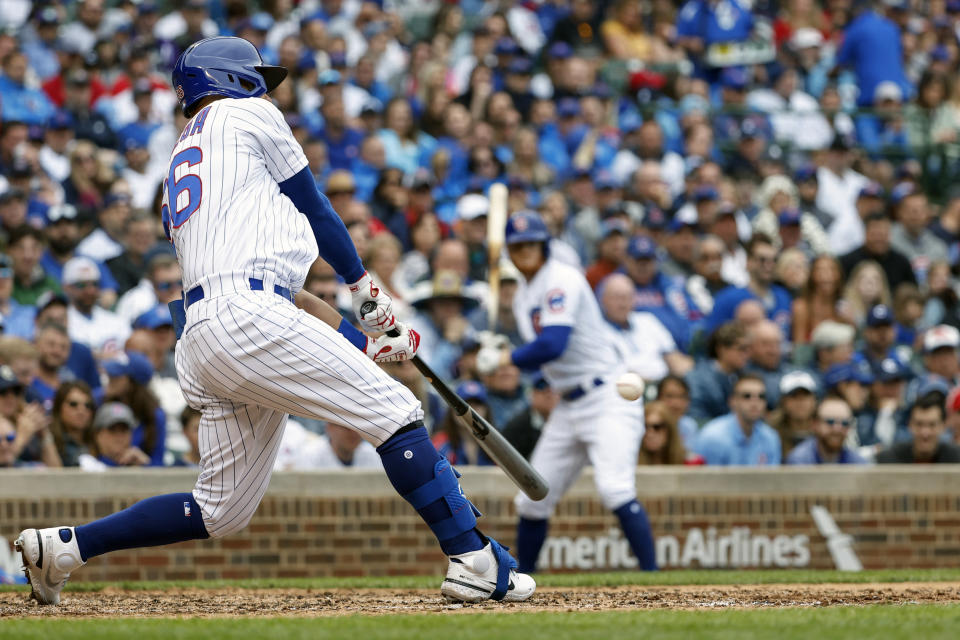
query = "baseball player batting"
x=247 y=221
x=569 y=340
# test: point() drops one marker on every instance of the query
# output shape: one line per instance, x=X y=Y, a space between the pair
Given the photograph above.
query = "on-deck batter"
x=243 y=211
x=568 y=339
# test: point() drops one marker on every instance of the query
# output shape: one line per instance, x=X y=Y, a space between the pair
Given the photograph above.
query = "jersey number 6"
x=189 y=183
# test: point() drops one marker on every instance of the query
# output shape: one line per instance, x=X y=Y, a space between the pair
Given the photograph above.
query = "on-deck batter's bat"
x=496 y=228
x=489 y=439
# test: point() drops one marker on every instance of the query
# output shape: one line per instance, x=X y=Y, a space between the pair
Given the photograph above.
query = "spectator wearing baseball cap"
x=128 y=376
x=884 y=421
x=833 y=420
x=941 y=348
x=113 y=428
x=658 y=293
x=879 y=336
x=795 y=414
x=103 y=331
x=62 y=234
x=851 y=381
x=452 y=439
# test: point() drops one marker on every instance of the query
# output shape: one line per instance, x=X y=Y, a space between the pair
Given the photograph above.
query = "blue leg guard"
x=505 y=563
x=427 y=481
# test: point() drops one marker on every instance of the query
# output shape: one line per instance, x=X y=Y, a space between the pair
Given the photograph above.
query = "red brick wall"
x=328 y=536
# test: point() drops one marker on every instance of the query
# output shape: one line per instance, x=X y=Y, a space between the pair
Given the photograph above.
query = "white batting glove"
x=489 y=359
x=372 y=306
x=394 y=348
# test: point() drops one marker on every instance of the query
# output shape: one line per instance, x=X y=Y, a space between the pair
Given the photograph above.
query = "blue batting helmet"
x=526 y=226
x=222 y=66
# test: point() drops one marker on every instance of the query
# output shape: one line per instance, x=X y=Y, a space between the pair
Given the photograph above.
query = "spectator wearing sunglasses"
x=741 y=437
x=17 y=318
x=30 y=281
x=661 y=443
x=104 y=332
x=71 y=421
x=832 y=423
x=63 y=234
x=162 y=284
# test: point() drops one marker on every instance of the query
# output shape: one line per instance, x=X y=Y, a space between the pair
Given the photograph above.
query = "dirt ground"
x=319 y=602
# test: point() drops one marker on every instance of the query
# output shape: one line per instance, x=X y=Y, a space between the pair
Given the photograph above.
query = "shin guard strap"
x=446 y=487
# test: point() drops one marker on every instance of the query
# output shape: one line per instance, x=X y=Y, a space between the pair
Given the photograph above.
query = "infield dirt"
x=115 y=602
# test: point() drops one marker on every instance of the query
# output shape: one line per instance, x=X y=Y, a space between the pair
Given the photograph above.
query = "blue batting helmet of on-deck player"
x=222 y=66
x=526 y=226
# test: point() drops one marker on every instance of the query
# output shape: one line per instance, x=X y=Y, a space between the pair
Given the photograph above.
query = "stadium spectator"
x=794 y=417
x=451 y=438
x=876 y=247
x=879 y=336
x=884 y=421
x=53 y=346
x=190 y=421
x=102 y=331
x=832 y=423
x=741 y=437
x=161 y=284
x=832 y=344
x=8 y=435
x=926 y=423
x=112 y=442
x=711 y=381
x=128 y=377
x=820 y=299
x=866 y=288
x=761 y=261
x=708 y=280
x=70 y=421
x=17 y=318
x=940 y=360
x=674 y=393
x=871 y=46
x=523 y=430
x=649 y=349
x=661 y=443
x=766 y=357
x=25 y=246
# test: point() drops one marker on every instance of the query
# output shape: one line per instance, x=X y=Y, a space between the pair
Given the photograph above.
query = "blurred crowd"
x=761 y=192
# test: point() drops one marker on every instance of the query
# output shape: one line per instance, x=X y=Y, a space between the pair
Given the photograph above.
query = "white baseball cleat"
x=474 y=576
x=49 y=555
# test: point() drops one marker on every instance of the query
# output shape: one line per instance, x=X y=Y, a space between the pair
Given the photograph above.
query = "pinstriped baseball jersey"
x=222 y=205
x=248 y=358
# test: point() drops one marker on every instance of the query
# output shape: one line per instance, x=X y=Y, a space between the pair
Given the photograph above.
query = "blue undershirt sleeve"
x=333 y=240
x=548 y=346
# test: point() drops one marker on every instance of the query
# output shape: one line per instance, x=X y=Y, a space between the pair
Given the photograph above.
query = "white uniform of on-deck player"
x=248 y=358
x=598 y=428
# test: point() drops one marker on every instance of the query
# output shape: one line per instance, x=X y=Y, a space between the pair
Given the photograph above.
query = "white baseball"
x=630 y=386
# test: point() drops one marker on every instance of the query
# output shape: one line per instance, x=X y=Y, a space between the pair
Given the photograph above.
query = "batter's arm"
x=318 y=308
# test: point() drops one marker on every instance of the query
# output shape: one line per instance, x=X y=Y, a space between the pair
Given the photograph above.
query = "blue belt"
x=579 y=391
x=256 y=284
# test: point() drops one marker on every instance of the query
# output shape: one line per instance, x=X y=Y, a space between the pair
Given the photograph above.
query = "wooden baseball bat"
x=489 y=439
x=496 y=228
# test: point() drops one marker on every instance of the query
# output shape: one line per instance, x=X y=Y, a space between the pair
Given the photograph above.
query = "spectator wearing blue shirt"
x=879 y=336
x=658 y=293
x=741 y=437
x=53 y=347
x=776 y=301
x=343 y=143
x=701 y=23
x=884 y=423
x=41 y=50
x=941 y=345
x=884 y=131
x=832 y=423
x=20 y=102
x=871 y=45
x=128 y=375
x=17 y=319
x=711 y=381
